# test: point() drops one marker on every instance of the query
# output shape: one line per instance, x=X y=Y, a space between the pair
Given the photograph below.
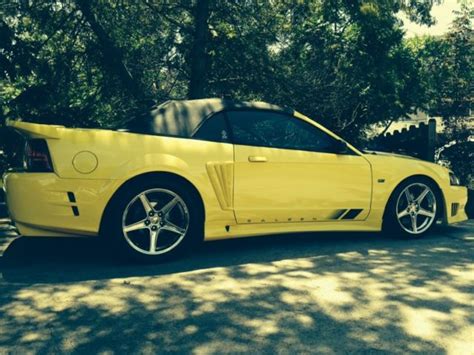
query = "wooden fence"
x=417 y=140
x=3 y=206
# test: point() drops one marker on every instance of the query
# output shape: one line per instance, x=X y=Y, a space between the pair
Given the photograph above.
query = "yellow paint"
x=85 y=162
x=298 y=186
x=221 y=175
x=293 y=191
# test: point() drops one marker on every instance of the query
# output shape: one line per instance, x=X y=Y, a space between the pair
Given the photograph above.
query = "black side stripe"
x=337 y=214
x=352 y=213
x=71 y=197
x=75 y=211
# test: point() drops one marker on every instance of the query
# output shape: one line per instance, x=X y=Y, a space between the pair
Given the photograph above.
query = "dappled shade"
x=298 y=293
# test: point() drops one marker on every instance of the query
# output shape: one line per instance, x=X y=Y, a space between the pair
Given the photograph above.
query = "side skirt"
x=216 y=232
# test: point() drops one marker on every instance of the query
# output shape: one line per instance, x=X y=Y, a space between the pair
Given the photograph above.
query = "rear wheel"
x=154 y=222
x=413 y=209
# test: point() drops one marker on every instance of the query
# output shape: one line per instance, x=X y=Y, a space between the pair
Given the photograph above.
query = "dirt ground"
x=311 y=293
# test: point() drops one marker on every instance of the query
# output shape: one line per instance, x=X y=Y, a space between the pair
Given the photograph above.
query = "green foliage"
x=343 y=62
x=446 y=67
x=346 y=65
x=338 y=60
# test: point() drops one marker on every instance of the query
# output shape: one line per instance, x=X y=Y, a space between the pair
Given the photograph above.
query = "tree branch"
x=113 y=56
x=167 y=18
x=198 y=57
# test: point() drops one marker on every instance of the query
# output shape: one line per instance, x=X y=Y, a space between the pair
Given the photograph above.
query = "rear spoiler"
x=36 y=130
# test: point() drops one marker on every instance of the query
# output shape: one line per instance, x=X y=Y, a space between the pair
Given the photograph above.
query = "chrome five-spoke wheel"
x=416 y=208
x=155 y=221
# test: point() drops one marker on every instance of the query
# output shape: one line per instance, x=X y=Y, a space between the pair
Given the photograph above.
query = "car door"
x=285 y=170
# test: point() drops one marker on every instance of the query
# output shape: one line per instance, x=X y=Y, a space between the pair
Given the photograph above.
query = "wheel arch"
x=155 y=175
x=418 y=177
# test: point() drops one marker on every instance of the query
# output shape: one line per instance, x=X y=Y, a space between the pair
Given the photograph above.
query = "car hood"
x=386 y=154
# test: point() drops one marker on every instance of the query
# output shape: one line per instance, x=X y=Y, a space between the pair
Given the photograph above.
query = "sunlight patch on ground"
x=414 y=298
x=422 y=323
x=462 y=342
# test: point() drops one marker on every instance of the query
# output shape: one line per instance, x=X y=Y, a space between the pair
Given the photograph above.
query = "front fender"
x=390 y=171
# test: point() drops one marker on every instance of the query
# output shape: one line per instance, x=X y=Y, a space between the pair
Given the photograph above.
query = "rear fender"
x=151 y=162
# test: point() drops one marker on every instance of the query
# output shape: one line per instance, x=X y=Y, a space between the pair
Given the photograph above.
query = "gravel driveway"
x=324 y=293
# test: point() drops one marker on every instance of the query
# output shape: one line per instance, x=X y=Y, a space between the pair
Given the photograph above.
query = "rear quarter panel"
x=122 y=156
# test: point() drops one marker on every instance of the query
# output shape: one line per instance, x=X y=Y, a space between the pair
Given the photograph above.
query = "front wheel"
x=153 y=222
x=413 y=209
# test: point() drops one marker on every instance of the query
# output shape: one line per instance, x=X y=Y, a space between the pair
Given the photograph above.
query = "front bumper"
x=42 y=204
x=455 y=204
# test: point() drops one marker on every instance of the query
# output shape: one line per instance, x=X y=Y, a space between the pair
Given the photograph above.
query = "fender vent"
x=454 y=209
x=75 y=210
x=71 y=197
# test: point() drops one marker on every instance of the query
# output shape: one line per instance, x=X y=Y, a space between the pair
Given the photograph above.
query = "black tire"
x=392 y=224
x=113 y=234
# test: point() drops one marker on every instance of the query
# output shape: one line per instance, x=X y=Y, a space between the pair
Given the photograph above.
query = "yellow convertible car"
x=211 y=169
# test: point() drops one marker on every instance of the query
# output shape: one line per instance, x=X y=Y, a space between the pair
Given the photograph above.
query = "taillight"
x=37 y=158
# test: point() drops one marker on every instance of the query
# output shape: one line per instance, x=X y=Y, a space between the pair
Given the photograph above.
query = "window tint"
x=271 y=129
x=214 y=129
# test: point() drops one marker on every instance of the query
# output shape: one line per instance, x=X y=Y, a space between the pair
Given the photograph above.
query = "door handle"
x=257 y=159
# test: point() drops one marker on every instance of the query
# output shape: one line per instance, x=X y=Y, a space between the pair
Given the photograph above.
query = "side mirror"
x=340 y=147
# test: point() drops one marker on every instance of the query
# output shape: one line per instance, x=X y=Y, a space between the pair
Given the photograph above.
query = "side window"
x=214 y=129
x=276 y=130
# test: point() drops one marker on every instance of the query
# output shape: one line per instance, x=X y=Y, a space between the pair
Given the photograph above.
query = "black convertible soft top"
x=180 y=118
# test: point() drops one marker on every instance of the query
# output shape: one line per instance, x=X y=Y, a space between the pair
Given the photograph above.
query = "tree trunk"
x=198 y=56
x=113 y=56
